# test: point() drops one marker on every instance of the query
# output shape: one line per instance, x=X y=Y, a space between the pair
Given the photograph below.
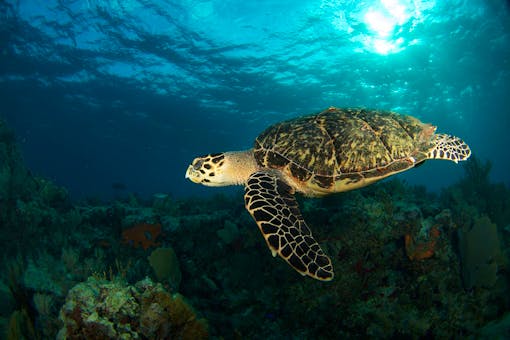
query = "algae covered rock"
x=99 y=309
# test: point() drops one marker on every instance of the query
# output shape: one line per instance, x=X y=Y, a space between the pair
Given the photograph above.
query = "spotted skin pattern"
x=272 y=204
x=205 y=163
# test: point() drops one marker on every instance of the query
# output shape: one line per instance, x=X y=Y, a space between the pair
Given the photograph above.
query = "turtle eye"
x=198 y=164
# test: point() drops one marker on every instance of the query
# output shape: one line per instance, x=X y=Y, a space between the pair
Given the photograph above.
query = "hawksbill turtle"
x=328 y=152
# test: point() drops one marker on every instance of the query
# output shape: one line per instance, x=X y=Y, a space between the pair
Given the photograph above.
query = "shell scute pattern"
x=301 y=144
x=341 y=144
x=367 y=140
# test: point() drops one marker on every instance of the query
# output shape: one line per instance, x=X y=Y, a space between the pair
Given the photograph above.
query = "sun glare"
x=379 y=23
x=382 y=20
x=386 y=22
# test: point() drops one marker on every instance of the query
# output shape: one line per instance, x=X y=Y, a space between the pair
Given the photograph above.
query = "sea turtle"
x=332 y=151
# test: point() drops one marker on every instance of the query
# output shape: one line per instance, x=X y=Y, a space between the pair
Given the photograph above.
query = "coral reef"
x=423 y=250
x=98 y=309
x=475 y=194
x=142 y=235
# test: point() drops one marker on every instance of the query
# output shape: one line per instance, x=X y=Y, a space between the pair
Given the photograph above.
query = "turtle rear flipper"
x=450 y=148
x=272 y=204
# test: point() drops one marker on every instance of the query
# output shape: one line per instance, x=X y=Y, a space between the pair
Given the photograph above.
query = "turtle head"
x=208 y=170
x=221 y=169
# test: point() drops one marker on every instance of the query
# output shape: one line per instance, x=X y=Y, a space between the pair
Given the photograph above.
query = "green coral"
x=165 y=264
x=480 y=253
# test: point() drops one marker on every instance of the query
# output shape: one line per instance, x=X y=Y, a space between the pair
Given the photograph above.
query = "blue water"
x=102 y=92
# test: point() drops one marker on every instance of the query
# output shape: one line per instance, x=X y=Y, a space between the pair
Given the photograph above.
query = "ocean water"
x=129 y=92
x=104 y=104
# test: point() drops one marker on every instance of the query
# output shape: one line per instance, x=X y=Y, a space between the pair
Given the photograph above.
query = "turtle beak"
x=192 y=175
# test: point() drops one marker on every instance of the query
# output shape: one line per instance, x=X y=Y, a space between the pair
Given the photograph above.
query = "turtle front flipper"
x=450 y=148
x=272 y=204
